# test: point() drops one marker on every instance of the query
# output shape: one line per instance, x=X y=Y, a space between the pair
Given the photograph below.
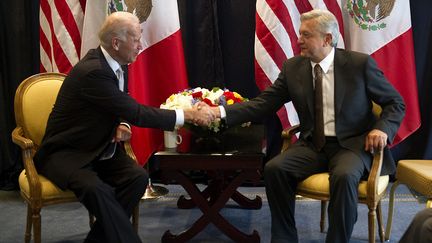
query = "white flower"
x=178 y=101
x=214 y=97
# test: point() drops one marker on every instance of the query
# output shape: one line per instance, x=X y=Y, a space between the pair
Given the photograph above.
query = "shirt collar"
x=326 y=62
x=114 y=65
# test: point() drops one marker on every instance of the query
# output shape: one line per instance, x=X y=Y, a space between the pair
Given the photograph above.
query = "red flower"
x=208 y=102
x=197 y=94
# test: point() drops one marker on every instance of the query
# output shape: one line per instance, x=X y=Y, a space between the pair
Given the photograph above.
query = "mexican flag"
x=159 y=70
x=383 y=30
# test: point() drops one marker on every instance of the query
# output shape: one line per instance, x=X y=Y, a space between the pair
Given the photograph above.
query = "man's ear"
x=328 y=39
x=115 y=44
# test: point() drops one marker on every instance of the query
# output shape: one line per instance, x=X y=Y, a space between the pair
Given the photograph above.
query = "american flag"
x=388 y=38
x=61 y=23
x=68 y=29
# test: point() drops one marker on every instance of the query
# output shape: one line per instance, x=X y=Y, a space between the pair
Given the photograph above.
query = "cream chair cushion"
x=49 y=190
x=319 y=184
x=417 y=174
x=36 y=116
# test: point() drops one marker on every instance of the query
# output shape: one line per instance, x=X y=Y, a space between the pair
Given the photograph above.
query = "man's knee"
x=92 y=190
x=140 y=176
x=271 y=167
x=344 y=182
x=143 y=178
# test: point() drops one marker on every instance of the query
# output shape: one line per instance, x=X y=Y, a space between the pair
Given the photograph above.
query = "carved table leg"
x=211 y=210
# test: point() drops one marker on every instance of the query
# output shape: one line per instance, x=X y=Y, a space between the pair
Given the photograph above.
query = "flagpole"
x=153 y=192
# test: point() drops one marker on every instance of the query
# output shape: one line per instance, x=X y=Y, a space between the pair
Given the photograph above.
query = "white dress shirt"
x=327 y=65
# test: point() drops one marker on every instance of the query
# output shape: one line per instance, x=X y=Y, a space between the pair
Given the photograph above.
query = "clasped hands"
x=201 y=114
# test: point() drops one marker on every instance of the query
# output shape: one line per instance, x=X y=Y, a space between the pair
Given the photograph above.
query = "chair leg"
x=36 y=221
x=390 y=210
x=371 y=223
x=380 y=222
x=323 y=215
x=27 y=235
x=135 y=218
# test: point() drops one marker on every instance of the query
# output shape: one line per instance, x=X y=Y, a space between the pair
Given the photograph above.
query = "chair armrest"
x=28 y=150
x=374 y=175
x=288 y=135
x=129 y=151
x=19 y=139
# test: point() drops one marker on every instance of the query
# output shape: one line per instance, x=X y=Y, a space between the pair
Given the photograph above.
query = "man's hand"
x=214 y=110
x=375 y=140
x=123 y=133
x=200 y=114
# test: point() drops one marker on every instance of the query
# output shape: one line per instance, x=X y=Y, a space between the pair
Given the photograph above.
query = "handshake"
x=201 y=114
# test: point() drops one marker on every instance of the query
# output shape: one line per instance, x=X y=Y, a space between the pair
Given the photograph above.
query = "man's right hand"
x=200 y=115
x=214 y=109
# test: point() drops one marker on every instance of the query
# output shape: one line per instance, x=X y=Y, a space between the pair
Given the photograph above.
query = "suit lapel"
x=304 y=77
x=339 y=79
x=105 y=65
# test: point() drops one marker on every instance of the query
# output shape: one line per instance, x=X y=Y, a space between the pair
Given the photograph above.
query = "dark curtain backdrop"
x=219 y=48
x=419 y=145
x=19 y=54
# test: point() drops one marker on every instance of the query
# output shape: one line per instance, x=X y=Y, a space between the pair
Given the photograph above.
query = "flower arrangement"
x=214 y=97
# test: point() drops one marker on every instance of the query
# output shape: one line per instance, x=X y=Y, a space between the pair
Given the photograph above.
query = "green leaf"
x=356 y=21
x=119 y=5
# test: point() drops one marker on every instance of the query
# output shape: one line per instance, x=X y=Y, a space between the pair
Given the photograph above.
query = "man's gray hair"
x=327 y=23
x=117 y=25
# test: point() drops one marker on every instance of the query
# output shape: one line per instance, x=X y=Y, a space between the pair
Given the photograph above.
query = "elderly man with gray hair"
x=91 y=117
x=332 y=91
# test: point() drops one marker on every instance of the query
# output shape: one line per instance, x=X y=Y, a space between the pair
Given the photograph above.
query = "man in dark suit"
x=338 y=128
x=420 y=229
x=92 y=115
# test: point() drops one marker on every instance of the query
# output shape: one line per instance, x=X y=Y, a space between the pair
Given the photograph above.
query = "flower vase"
x=209 y=143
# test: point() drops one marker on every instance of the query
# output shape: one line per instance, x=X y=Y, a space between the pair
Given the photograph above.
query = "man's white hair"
x=117 y=25
x=327 y=23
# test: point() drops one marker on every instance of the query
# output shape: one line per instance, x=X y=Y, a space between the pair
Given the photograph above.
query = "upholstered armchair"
x=370 y=192
x=417 y=175
x=33 y=103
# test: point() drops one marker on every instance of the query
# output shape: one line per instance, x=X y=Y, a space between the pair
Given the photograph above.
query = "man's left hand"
x=123 y=133
x=375 y=140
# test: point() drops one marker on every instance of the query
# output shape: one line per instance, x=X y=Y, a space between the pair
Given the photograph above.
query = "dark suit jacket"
x=358 y=82
x=84 y=118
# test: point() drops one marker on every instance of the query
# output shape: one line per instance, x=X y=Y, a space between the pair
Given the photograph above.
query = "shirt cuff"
x=222 y=112
x=125 y=124
x=179 y=118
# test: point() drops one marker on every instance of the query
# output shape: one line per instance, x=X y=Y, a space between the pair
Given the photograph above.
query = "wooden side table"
x=226 y=172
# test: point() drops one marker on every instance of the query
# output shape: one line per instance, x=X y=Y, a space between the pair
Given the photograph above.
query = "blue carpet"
x=68 y=223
